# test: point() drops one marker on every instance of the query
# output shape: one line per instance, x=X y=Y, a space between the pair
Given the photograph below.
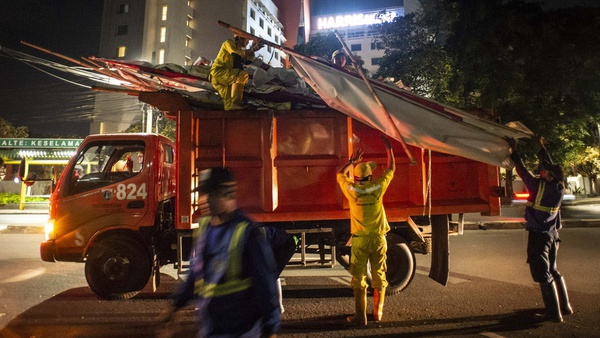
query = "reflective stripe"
x=218 y=290
x=234 y=269
x=538 y=201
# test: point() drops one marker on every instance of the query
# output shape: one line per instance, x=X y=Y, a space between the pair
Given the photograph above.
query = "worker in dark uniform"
x=232 y=268
x=368 y=225
x=284 y=247
x=227 y=73
x=542 y=215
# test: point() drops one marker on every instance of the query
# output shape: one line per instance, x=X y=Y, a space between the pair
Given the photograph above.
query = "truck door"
x=107 y=186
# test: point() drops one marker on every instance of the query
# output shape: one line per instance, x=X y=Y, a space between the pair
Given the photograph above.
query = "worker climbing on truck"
x=227 y=73
x=368 y=225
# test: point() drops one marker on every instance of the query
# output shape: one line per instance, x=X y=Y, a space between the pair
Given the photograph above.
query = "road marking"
x=490 y=334
x=25 y=275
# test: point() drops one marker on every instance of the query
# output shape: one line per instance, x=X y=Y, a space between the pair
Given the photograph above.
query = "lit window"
x=161 y=56
x=188 y=40
x=121 y=52
x=123 y=8
x=189 y=3
x=189 y=21
x=164 y=13
x=163 y=34
x=122 y=30
x=187 y=61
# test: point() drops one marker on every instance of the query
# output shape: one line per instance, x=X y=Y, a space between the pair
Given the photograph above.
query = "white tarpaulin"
x=421 y=122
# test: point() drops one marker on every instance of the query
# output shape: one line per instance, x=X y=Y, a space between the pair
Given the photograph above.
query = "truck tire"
x=401 y=264
x=117 y=268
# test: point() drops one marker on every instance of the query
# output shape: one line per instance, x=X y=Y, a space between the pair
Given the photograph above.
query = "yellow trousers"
x=223 y=79
x=367 y=249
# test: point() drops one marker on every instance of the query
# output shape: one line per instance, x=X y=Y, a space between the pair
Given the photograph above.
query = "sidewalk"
x=30 y=208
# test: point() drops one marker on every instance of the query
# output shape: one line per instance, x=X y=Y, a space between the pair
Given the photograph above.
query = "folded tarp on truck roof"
x=419 y=121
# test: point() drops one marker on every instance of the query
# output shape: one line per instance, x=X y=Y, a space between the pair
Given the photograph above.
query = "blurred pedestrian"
x=232 y=268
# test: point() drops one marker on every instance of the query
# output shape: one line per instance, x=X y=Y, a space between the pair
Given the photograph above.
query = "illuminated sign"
x=39 y=143
x=355 y=19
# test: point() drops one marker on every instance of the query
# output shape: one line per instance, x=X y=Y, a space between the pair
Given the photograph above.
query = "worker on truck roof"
x=227 y=73
x=232 y=269
x=368 y=225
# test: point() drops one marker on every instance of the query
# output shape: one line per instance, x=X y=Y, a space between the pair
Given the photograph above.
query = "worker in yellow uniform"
x=368 y=225
x=227 y=73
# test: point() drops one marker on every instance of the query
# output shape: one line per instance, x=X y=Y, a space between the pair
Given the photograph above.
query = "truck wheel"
x=401 y=264
x=117 y=268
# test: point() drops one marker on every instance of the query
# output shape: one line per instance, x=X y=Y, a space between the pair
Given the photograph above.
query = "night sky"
x=48 y=106
x=51 y=107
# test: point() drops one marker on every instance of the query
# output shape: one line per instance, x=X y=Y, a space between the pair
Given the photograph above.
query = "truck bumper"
x=47 y=251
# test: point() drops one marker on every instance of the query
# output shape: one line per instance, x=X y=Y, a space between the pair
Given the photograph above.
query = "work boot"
x=550 y=297
x=378 y=299
x=280 y=296
x=237 y=94
x=563 y=296
x=360 y=308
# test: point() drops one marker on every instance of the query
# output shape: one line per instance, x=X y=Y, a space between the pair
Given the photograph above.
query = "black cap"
x=214 y=179
x=556 y=171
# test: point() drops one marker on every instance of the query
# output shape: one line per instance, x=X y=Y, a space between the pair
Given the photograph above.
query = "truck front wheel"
x=117 y=268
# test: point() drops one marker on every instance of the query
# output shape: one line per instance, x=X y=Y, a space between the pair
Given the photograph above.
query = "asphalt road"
x=489 y=294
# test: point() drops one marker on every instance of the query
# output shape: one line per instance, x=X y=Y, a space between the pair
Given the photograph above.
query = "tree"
x=538 y=67
x=8 y=130
x=323 y=47
x=166 y=127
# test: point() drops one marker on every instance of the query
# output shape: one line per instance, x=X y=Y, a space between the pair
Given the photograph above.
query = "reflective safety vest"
x=233 y=280
x=537 y=205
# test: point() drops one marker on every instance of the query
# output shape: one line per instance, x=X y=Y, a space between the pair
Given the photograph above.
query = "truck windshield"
x=102 y=164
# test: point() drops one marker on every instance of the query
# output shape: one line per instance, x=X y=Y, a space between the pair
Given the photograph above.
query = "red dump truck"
x=124 y=204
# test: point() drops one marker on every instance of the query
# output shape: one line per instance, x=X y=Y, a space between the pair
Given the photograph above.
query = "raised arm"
x=391 y=160
x=356 y=157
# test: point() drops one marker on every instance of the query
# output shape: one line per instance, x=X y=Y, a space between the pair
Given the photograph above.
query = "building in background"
x=354 y=28
x=178 y=32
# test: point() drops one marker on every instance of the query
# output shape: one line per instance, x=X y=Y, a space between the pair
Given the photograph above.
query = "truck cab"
x=115 y=193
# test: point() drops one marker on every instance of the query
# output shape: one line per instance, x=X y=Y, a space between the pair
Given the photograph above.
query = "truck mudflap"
x=47 y=251
x=440 y=234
